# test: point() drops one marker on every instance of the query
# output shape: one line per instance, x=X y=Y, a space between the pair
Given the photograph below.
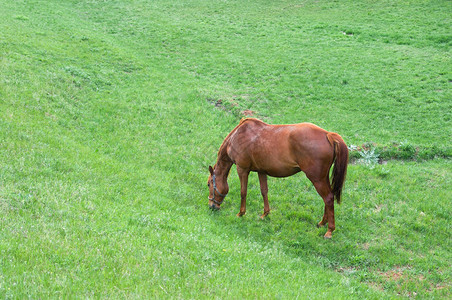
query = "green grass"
x=111 y=111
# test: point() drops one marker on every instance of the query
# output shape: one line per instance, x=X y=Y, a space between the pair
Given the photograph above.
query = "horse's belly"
x=282 y=173
x=279 y=169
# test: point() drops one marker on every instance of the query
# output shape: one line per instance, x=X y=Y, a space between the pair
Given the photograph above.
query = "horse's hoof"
x=263 y=216
x=240 y=214
x=328 y=236
x=320 y=225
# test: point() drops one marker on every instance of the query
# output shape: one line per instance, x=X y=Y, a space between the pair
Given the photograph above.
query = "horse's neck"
x=222 y=168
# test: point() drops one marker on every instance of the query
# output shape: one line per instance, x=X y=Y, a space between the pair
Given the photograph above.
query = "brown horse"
x=281 y=151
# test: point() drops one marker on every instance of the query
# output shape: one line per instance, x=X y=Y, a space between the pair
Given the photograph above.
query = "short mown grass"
x=111 y=112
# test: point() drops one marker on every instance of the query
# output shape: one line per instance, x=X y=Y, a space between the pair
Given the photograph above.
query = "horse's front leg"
x=243 y=176
x=264 y=192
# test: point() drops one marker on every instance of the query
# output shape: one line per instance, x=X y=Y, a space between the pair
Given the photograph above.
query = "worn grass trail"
x=110 y=113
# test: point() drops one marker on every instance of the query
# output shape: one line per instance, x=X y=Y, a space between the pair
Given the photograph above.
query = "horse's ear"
x=211 y=170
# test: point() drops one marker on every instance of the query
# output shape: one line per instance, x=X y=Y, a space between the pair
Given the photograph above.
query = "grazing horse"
x=281 y=151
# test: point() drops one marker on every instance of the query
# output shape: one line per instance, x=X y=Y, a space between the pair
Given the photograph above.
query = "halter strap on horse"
x=215 y=189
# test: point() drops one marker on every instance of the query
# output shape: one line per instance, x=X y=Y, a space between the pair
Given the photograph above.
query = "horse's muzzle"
x=213 y=206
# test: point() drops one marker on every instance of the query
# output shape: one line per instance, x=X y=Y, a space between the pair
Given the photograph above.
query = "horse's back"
x=278 y=150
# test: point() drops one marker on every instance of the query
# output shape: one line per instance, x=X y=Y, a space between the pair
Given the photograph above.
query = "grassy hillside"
x=111 y=111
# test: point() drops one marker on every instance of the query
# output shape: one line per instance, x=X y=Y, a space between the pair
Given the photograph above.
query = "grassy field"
x=111 y=112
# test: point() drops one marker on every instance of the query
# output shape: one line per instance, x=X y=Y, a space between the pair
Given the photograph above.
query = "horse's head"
x=216 y=198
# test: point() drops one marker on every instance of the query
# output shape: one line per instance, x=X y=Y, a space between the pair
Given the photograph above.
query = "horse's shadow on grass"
x=293 y=229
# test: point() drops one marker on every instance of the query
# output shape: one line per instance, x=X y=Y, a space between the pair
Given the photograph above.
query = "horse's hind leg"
x=324 y=219
x=323 y=187
x=264 y=191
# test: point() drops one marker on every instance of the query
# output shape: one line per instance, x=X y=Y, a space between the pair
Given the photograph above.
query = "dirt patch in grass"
x=248 y=113
x=232 y=106
x=394 y=275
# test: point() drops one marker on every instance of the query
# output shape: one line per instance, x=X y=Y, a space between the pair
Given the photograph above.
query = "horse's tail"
x=340 y=160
